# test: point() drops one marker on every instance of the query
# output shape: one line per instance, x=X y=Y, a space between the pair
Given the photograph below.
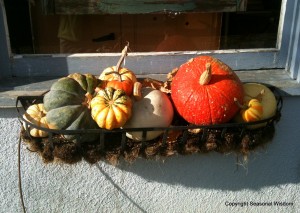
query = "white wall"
x=197 y=183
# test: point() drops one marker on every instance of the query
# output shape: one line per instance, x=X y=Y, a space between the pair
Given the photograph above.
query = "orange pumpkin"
x=203 y=91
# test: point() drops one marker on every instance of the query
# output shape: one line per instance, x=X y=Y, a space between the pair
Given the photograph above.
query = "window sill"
x=11 y=88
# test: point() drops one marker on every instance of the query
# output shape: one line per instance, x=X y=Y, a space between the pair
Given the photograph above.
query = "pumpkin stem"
x=206 y=75
x=236 y=101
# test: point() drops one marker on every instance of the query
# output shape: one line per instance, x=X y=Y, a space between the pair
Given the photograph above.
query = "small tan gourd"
x=36 y=115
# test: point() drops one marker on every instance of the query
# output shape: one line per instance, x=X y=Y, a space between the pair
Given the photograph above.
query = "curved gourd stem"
x=123 y=55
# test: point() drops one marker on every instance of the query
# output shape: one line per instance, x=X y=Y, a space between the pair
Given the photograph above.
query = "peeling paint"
x=142 y=6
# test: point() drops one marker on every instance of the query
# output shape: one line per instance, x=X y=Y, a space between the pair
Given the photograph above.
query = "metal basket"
x=219 y=137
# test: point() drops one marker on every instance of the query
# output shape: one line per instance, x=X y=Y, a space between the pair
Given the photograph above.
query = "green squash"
x=87 y=81
x=67 y=105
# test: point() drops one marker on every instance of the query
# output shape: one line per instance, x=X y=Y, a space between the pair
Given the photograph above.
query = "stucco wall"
x=197 y=183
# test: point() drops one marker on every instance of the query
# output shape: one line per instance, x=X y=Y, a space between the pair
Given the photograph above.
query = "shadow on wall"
x=217 y=171
x=119 y=188
x=275 y=164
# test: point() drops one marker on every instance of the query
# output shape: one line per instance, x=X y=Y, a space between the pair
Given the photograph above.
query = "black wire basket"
x=182 y=138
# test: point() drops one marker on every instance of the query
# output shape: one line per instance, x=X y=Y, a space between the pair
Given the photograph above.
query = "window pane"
x=32 y=31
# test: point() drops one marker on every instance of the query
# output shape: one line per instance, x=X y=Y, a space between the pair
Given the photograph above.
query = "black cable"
x=20 y=177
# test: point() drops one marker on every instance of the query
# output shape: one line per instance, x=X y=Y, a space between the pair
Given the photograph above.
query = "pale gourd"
x=154 y=109
x=266 y=98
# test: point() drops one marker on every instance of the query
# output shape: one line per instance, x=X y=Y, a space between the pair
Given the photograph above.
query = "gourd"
x=125 y=85
x=111 y=73
x=111 y=108
x=204 y=89
x=154 y=109
x=35 y=114
x=252 y=110
x=119 y=77
x=265 y=96
x=67 y=105
x=87 y=81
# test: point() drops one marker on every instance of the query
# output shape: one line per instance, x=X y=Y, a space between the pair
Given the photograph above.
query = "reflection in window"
x=31 y=31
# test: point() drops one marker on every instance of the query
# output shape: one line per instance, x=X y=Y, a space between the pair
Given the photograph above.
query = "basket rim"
x=21 y=99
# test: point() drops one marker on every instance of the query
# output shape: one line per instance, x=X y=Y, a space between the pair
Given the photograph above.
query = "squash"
x=35 y=114
x=154 y=109
x=67 y=105
x=265 y=96
x=125 y=85
x=111 y=108
x=88 y=82
x=111 y=73
x=252 y=110
x=123 y=79
x=203 y=91
x=118 y=77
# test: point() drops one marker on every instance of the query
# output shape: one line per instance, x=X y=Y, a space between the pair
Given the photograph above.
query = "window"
x=261 y=34
x=36 y=27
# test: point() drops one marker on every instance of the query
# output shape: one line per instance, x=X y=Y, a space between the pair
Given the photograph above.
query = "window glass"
x=32 y=30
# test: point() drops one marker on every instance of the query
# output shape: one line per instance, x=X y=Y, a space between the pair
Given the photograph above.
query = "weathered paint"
x=293 y=62
x=142 y=6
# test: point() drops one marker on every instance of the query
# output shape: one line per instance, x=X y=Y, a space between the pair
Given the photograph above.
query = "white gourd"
x=154 y=109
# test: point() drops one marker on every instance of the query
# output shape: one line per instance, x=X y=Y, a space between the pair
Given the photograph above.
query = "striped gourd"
x=253 y=112
x=36 y=115
x=111 y=108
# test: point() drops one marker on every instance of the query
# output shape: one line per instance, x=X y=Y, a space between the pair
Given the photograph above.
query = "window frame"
x=284 y=56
